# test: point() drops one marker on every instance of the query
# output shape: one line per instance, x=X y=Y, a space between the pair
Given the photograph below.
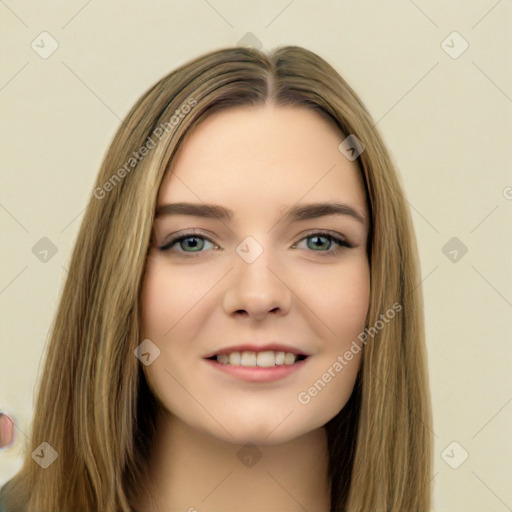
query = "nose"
x=256 y=289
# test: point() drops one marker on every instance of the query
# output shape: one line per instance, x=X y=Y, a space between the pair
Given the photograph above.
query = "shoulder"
x=6 y=490
x=3 y=490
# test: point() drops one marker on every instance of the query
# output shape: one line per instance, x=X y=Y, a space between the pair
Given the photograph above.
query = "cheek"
x=166 y=299
x=343 y=301
x=152 y=299
x=344 y=305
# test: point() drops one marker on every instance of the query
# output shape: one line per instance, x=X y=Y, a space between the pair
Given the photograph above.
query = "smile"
x=264 y=359
x=259 y=367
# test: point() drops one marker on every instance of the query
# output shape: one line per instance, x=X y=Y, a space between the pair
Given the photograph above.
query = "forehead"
x=255 y=157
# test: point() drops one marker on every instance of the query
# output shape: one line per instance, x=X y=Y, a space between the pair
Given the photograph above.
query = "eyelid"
x=335 y=237
x=177 y=237
x=324 y=232
x=187 y=232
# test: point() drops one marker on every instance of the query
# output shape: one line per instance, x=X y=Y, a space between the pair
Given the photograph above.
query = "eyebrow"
x=293 y=214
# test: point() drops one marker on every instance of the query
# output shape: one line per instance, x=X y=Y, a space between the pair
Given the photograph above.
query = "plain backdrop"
x=435 y=75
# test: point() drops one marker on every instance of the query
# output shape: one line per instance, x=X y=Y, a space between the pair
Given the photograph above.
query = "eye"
x=324 y=240
x=188 y=241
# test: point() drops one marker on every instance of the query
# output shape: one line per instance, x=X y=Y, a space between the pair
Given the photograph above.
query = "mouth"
x=258 y=364
x=260 y=359
x=261 y=356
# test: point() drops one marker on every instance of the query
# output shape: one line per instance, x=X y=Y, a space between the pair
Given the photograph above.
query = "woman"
x=203 y=344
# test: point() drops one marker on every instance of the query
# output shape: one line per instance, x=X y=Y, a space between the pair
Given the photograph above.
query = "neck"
x=191 y=470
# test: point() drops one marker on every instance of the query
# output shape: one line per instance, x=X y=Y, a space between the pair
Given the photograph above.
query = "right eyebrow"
x=196 y=210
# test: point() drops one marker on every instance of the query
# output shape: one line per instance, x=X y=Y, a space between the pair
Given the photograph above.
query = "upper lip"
x=254 y=347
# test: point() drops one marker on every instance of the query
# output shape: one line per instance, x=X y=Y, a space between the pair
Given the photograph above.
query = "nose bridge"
x=256 y=286
x=256 y=263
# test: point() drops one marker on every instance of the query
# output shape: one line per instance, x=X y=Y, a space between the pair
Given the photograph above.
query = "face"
x=258 y=281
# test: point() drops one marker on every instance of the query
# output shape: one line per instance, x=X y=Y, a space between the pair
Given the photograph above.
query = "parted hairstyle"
x=94 y=406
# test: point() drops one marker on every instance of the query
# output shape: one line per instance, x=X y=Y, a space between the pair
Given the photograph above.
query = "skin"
x=255 y=161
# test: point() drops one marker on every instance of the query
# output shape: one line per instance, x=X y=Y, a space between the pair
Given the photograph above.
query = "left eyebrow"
x=293 y=214
x=314 y=210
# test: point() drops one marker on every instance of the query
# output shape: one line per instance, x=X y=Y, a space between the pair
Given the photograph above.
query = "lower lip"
x=258 y=373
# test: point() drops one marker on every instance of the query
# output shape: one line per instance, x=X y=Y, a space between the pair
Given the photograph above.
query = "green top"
x=3 y=490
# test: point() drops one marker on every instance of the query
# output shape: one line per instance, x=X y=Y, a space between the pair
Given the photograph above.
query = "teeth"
x=262 y=359
x=234 y=358
x=248 y=359
x=279 y=358
x=289 y=358
x=223 y=359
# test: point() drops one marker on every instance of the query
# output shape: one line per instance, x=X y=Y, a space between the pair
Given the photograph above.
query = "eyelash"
x=340 y=241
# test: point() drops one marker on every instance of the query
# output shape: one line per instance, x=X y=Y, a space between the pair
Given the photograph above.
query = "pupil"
x=316 y=239
x=193 y=245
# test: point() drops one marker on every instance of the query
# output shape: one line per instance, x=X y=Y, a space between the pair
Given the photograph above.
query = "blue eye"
x=339 y=241
x=197 y=242
x=196 y=245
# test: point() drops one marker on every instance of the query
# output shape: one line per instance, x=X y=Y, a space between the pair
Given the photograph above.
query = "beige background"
x=446 y=121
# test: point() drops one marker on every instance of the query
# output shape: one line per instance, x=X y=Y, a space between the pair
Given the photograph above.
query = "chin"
x=246 y=436
x=265 y=432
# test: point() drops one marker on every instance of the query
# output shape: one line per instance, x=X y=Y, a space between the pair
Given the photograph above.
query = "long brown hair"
x=94 y=407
